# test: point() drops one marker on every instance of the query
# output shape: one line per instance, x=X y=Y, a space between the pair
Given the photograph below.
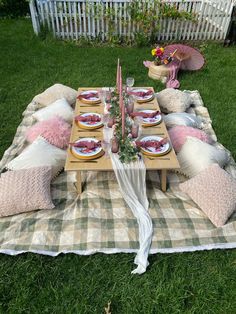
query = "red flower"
x=159 y=52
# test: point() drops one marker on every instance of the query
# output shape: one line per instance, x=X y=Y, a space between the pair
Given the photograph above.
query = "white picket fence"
x=72 y=19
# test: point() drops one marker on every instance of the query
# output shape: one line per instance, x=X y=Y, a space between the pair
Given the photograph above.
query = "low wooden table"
x=162 y=163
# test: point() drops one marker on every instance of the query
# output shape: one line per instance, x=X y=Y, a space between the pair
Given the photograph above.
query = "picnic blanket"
x=100 y=220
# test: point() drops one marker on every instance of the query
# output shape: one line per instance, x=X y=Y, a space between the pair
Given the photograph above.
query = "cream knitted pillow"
x=214 y=191
x=55 y=92
x=25 y=190
x=59 y=108
x=39 y=153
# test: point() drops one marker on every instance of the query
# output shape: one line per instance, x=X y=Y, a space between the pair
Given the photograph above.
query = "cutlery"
x=156 y=158
x=76 y=161
x=88 y=131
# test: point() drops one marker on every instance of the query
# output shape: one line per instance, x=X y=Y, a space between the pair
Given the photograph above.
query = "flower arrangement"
x=158 y=53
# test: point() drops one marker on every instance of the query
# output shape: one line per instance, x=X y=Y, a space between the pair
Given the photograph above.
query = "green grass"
x=200 y=282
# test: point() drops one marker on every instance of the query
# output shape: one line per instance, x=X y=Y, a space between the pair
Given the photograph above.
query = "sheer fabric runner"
x=132 y=182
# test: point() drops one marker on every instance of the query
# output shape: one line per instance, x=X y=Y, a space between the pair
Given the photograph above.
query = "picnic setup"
x=117 y=169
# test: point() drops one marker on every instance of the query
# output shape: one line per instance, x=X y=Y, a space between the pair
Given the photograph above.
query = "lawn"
x=199 y=282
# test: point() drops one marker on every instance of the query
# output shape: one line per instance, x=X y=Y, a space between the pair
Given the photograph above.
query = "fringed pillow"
x=214 y=191
x=55 y=130
x=195 y=156
x=179 y=134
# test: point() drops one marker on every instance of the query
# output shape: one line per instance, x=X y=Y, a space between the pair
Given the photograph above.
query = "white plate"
x=151 y=150
x=153 y=120
x=92 y=99
x=143 y=90
x=80 y=151
x=90 y=124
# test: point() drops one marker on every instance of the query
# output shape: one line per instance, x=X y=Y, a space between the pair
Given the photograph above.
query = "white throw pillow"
x=196 y=156
x=55 y=92
x=183 y=118
x=39 y=153
x=173 y=100
x=59 y=108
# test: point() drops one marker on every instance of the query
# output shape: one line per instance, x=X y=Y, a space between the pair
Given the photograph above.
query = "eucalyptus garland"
x=127 y=149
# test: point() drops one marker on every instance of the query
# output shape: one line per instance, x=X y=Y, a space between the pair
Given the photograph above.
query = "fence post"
x=34 y=16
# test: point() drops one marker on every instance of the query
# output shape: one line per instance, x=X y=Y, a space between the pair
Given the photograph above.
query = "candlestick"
x=118 y=76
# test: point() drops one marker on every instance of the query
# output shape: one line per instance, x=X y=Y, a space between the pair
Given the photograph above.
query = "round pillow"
x=55 y=130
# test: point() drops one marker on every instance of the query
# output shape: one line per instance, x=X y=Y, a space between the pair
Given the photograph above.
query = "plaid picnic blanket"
x=100 y=220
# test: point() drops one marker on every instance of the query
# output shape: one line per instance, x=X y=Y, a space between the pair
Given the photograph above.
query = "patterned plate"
x=90 y=125
x=85 y=153
x=151 y=151
x=93 y=99
x=142 y=99
x=151 y=121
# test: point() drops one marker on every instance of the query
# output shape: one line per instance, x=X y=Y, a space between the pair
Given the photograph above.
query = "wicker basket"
x=158 y=72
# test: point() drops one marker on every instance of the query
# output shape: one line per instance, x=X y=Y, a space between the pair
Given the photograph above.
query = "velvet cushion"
x=179 y=134
x=196 y=156
x=59 y=108
x=214 y=191
x=39 y=153
x=56 y=92
x=25 y=190
x=55 y=130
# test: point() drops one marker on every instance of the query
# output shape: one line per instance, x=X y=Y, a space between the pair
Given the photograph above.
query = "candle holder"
x=114 y=145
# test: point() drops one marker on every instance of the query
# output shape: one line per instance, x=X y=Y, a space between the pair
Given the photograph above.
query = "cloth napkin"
x=151 y=143
x=89 y=118
x=145 y=114
x=141 y=94
x=87 y=96
x=87 y=144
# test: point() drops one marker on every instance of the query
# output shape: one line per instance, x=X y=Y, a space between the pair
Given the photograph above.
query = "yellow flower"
x=162 y=49
x=153 y=52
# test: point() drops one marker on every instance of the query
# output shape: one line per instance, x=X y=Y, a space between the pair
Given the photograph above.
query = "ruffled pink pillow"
x=178 y=135
x=55 y=130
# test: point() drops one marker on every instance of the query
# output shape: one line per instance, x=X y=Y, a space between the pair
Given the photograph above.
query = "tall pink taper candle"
x=122 y=107
x=118 y=76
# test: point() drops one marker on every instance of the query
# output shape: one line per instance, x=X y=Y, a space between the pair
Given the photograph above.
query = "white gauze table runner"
x=132 y=182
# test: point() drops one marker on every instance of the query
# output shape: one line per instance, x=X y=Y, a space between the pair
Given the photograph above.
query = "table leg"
x=163 y=180
x=79 y=183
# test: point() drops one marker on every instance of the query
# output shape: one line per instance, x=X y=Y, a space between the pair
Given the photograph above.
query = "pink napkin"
x=145 y=114
x=88 y=96
x=87 y=144
x=151 y=143
x=141 y=94
x=90 y=118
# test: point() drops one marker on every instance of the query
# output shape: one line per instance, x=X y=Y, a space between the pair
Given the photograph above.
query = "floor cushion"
x=183 y=118
x=214 y=191
x=25 y=190
x=55 y=130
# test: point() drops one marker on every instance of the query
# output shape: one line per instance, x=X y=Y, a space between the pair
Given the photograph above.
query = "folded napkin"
x=89 y=118
x=87 y=144
x=88 y=96
x=141 y=94
x=151 y=143
x=145 y=114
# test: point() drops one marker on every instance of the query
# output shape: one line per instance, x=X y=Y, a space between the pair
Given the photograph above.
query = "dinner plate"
x=151 y=151
x=85 y=153
x=93 y=99
x=151 y=121
x=141 y=99
x=90 y=125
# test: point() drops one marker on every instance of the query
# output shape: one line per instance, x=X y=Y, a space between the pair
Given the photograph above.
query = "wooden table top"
x=165 y=162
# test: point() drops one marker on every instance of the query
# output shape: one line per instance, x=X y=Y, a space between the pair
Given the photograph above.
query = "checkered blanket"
x=100 y=220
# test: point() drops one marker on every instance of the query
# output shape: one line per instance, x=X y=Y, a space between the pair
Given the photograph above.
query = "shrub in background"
x=14 y=8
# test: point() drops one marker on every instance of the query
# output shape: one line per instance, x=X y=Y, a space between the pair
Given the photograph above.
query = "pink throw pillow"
x=25 y=190
x=213 y=190
x=178 y=135
x=55 y=130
